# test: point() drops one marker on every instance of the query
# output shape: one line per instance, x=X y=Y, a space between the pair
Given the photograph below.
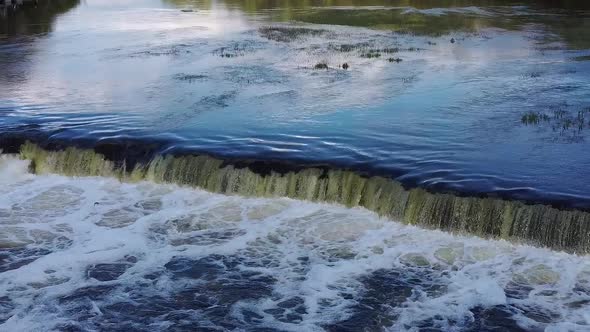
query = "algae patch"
x=287 y=34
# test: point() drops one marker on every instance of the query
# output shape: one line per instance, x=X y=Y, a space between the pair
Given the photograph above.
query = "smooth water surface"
x=436 y=93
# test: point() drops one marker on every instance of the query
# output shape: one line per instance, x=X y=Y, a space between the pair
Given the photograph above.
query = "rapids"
x=93 y=253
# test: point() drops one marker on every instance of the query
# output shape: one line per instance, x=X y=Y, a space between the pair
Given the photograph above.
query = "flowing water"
x=86 y=254
x=323 y=134
x=238 y=78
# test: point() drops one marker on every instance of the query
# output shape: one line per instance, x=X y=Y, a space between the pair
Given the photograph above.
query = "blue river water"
x=435 y=94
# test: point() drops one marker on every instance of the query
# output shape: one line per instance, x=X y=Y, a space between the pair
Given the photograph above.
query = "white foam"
x=315 y=252
x=12 y=169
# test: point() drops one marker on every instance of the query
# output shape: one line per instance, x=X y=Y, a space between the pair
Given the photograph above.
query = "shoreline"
x=15 y=4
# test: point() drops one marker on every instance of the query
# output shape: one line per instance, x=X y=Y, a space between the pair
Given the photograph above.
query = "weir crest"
x=539 y=225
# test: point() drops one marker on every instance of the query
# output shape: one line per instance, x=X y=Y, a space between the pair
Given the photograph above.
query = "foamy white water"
x=96 y=254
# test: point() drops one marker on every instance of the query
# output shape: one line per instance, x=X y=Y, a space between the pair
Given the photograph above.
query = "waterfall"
x=540 y=225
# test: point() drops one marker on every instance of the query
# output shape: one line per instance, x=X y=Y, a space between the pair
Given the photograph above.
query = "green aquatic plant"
x=487 y=217
x=567 y=125
x=371 y=55
x=396 y=60
x=534 y=118
x=225 y=52
x=534 y=74
x=288 y=34
x=346 y=48
x=321 y=65
x=236 y=49
x=189 y=77
x=376 y=53
x=385 y=50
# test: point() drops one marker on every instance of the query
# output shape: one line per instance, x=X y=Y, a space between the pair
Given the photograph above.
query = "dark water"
x=94 y=254
x=237 y=78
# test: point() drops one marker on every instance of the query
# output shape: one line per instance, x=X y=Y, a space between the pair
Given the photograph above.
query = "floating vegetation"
x=321 y=65
x=372 y=52
x=288 y=34
x=534 y=118
x=237 y=49
x=371 y=55
x=174 y=50
x=190 y=78
x=582 y=58
x=254 y=74
x=228 y=52
x=216 y=101
x=567 y=124
x=534 y=74
x=386 y=50
x=487 y=217
x=345 y=48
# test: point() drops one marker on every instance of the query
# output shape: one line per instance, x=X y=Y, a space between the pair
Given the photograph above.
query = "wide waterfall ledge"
x=516 y=221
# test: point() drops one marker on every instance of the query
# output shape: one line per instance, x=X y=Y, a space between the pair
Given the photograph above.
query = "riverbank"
x=15 y=4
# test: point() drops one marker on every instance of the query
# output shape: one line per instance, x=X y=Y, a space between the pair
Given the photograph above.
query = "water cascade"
x=539 y=225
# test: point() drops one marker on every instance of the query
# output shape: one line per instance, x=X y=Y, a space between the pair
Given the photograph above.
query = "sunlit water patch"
x=81 y=254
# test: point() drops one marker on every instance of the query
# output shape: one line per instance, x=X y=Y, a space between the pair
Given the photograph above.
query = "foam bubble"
x=97 y=254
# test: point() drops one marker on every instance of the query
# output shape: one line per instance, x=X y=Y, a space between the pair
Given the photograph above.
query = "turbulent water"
x=96 y=254
x=537 y=224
